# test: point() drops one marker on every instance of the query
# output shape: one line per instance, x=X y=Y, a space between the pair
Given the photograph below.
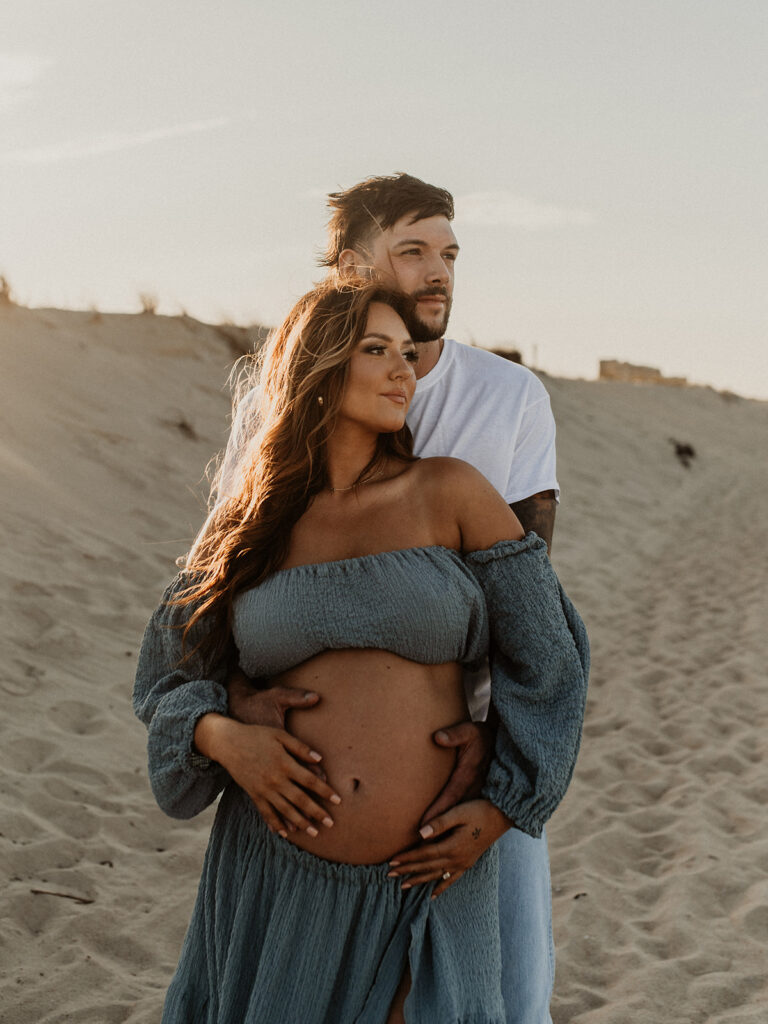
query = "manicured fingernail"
x=315 y=756
x=426 y=832
x=394 y=863
x=335 y=798
x=328 y=822
x=282 y=833
x=406 y=885
x=442 y=736
x=309 y=695
x=392 y=874
x=312 y=831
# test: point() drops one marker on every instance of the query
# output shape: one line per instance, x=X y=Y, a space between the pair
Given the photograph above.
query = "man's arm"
x=537 y=513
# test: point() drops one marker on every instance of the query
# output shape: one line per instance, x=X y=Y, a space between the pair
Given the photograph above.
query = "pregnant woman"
x=343 y=566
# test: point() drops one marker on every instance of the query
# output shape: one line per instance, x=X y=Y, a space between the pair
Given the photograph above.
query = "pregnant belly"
x=374 y=726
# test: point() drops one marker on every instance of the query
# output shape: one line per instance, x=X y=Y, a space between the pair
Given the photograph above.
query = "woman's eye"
x=375 y=349
x=412 y=356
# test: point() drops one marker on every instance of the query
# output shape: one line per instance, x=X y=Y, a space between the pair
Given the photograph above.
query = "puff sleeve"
x=539 y=661
x=170 y=697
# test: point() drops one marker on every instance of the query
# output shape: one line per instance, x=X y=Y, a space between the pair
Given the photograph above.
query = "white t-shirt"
x=490 y=412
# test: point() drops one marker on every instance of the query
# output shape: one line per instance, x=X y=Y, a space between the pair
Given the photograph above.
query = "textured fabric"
x=539 y=669
x=279 y=935
x=364 y=602
x=170 y=695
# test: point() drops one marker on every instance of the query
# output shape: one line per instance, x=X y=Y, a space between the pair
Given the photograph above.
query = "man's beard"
x=421 y=332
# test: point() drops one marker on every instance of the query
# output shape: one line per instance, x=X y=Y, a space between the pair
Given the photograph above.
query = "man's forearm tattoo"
x=537 y=513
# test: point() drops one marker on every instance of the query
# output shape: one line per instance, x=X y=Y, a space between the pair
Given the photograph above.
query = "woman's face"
x=381 y=378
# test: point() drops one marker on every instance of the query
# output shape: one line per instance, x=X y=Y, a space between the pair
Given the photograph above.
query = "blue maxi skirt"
x=280 y=936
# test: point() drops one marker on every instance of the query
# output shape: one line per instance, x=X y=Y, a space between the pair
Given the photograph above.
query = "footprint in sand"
x=21 y=678
x=756 y=923
x=77 y=717
x=29 y=753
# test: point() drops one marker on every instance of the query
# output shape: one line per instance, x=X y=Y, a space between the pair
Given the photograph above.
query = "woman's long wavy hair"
x=301 y=374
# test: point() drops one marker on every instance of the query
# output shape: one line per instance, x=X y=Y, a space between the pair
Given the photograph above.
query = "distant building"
x=513 y=354
x=612 y=369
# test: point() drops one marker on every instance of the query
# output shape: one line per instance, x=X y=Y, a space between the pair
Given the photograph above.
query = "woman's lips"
x=395 y=396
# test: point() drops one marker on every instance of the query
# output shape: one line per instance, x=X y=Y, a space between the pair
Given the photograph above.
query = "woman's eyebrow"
x=386 y=337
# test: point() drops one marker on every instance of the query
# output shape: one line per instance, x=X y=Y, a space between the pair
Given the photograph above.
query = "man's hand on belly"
x=474 y=742
x=252 y=706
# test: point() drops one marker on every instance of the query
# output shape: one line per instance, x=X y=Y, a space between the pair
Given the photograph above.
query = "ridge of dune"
x=660 y=849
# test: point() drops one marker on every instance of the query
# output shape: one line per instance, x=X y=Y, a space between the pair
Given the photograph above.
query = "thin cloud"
x=114 y=142
x=505 y=209
x=18 y=74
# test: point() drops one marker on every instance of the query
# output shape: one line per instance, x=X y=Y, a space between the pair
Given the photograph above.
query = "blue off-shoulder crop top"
x=421 y=603
x=428 y=604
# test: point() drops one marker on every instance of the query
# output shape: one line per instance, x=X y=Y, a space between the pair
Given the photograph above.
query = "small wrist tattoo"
x=476 y=833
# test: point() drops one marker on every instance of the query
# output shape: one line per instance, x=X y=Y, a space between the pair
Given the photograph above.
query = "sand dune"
x=660 y=850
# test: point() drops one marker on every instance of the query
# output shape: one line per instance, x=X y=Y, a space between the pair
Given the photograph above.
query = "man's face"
x=418 y=258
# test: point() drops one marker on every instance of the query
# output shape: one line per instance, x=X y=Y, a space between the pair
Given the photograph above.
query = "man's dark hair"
x=375 y=205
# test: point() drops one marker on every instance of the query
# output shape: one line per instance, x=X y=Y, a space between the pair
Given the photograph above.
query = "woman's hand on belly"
x=450 y=845
x=266 y=763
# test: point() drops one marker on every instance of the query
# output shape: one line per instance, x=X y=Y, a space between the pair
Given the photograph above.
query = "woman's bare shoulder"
x=446 y=471
x=457 y=490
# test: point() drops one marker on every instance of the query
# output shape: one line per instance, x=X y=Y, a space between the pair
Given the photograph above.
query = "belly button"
x=349 y=785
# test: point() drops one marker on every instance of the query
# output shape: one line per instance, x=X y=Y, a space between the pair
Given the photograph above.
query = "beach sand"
x=660 y=849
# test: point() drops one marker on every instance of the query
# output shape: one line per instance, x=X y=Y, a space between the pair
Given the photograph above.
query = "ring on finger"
x=446 y=875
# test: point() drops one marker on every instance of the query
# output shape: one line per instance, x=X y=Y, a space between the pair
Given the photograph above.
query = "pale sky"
x=609 y=162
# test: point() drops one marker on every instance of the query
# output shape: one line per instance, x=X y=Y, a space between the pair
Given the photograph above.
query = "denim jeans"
x=525 y=914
